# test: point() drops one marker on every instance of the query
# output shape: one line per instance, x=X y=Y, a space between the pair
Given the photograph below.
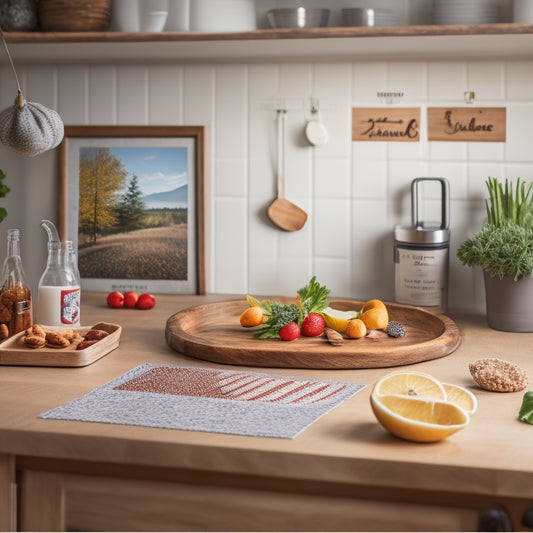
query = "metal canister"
x=421 y=254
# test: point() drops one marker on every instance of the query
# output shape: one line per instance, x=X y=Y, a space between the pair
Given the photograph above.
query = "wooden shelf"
x=388 y=42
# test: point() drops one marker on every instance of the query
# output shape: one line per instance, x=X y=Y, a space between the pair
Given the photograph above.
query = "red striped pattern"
x=240 y=386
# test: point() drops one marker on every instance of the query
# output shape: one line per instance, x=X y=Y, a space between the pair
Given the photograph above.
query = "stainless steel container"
x=421 y=254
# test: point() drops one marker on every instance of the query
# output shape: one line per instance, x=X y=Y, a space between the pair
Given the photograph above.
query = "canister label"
x=70 y=306
x=421 y=275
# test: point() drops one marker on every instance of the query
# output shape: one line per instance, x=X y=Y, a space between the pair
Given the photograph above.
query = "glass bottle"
x=59 y=286
x=15 y=296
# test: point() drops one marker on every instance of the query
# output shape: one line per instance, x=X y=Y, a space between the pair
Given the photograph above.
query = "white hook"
x=469 y=97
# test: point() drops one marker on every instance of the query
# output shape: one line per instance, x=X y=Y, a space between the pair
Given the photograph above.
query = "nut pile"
x=498 y=375
x=39 y=337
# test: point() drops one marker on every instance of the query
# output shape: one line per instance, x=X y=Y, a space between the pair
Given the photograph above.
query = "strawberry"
x=313 y=325
x=290 y=332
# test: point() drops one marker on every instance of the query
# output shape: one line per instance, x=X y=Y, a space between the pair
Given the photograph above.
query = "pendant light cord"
x=20 y=98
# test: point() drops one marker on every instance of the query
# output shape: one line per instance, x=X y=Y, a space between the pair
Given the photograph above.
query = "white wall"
x=354 y=192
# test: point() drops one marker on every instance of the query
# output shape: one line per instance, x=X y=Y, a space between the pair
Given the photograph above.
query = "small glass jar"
x=15 y=296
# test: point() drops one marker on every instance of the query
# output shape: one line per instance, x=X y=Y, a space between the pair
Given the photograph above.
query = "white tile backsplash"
x=132 y=95
x=102 y=95
x=353 y=192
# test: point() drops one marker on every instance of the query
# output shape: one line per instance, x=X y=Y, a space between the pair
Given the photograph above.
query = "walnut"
x=498 y=375
x=95 y=335
x=36 y=329
x=4 y=332
x=34 y=341
x=56 y=339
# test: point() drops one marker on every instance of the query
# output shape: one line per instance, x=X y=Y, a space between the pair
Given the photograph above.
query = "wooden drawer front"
x=55 y=502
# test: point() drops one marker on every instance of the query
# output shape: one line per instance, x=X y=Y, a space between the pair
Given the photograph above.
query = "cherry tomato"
x=115 y=299
x=130 y=298
x=145 y=301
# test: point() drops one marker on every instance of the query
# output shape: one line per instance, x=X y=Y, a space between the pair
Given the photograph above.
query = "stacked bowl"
x=298 y=17
x=457 y=12
x=359 y=16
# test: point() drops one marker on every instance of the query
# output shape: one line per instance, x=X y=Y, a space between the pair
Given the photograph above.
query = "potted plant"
x=503 y=248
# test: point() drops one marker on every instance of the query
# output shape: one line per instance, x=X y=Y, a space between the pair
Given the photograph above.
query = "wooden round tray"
x=212 y=332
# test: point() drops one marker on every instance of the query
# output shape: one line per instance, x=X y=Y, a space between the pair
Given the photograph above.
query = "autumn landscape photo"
x=133 y=213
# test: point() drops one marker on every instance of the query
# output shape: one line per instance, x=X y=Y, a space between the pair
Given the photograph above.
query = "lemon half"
x=410 y=384
x=337 y=319
x=419 y=419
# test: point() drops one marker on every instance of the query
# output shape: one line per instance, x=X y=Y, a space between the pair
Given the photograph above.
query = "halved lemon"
x=418 y=419
x=413 y=384
x=461 y=397
x=337 y=319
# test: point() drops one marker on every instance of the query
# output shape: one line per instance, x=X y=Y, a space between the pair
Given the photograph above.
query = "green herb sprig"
x=502 y=251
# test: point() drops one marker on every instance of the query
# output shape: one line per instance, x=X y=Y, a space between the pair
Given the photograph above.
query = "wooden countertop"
x=492 y=456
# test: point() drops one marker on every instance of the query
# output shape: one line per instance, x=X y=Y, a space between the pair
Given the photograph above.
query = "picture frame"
x=107 y=176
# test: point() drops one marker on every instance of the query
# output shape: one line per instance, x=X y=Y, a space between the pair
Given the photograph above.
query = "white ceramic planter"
x=222 y=15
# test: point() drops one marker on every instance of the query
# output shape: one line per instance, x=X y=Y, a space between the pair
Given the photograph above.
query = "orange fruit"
x=375 y=318
x=355 y=329
x=253 y=316
x=418 y=419
x=373 y=304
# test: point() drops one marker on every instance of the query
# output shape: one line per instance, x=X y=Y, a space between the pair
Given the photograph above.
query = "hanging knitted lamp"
x=27 y=127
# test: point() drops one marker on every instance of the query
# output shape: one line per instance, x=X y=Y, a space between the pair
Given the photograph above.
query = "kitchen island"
x=345 y=472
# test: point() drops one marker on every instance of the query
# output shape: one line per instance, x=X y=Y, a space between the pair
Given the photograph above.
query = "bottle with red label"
x=59 y=298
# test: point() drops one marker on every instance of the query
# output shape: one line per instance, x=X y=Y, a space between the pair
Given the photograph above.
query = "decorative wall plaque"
x=485 y=124
x=386 y=124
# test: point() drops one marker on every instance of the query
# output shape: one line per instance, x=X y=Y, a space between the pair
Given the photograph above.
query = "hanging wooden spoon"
x=283 y=213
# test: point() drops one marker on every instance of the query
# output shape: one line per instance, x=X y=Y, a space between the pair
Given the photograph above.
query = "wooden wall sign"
x=386 y=124
x=485 y=124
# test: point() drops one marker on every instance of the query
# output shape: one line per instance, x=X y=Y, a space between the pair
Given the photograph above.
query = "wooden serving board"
x=14 y=352
x=212 y=332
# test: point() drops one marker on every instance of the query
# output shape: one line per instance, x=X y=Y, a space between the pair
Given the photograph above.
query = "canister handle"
x=445 y=202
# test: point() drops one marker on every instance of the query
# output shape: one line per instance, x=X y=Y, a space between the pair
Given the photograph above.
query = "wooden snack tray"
x=14 y=352
x=212 y=332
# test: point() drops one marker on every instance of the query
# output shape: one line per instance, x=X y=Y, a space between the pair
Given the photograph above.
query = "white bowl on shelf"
x=222 y=15
x=152 y=21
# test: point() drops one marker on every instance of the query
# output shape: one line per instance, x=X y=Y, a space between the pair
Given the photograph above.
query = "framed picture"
x=132 y=200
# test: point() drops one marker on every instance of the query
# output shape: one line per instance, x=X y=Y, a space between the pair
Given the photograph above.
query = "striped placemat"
x=204 y=399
